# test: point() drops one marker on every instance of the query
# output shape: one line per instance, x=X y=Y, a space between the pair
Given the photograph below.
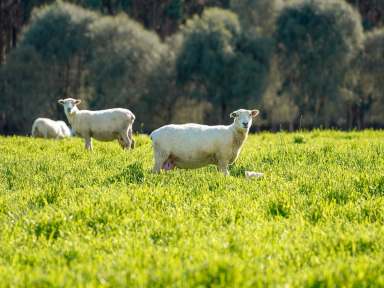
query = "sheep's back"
x=103 y=124
x=50 y=127
x=186 y=140
x=65 y=131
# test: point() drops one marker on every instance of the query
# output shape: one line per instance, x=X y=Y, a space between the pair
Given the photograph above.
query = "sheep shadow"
x=132 y=174
x=237 y=171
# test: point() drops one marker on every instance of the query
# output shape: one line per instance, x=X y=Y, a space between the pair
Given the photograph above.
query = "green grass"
x=73 y=218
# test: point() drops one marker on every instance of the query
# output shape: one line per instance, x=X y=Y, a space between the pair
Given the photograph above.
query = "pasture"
x=72 y=218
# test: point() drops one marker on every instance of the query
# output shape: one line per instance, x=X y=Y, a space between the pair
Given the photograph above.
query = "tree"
x=50 y=59
x=123 y=56
x=257 y=17
x=10 y=25
x=316 y=41
x=65 y=52
x=165 y=101
x=225 y=68
x=279 y=109
x=163 y=16
x=363 y=90
x=372 y=12
x=372 y=66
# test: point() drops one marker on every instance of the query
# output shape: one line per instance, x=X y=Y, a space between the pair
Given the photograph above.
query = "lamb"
x=103 y=125
x=47 y=128
x=194 y=145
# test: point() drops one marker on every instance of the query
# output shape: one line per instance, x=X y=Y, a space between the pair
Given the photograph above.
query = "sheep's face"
x=69 y=104
x=243 y=118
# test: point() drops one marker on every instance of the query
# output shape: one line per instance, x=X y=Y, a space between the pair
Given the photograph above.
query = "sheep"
x=192 y=146
x=103 y=125
x=47 y=128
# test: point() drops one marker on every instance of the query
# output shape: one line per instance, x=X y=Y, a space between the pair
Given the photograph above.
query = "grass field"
x=72 y=218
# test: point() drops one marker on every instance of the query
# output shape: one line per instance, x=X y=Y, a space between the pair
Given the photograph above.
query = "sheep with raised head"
x=103 y=125
x=195 y=145
x=47 y=128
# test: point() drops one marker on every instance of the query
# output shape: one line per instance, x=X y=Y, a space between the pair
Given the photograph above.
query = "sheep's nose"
x=245 y=124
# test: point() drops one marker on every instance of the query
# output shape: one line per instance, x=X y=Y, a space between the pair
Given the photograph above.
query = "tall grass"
x=72 y=218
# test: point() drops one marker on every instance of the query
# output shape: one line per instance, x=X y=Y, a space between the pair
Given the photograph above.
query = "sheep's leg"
x=35 y=132
x=223 y=167
x=59 y=136
x=88 y=143
x=160 y=157
x=130 y=136
x=126 y=141
x=121 y=142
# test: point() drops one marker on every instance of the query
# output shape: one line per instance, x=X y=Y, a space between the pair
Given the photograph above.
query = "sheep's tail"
x=34 y=129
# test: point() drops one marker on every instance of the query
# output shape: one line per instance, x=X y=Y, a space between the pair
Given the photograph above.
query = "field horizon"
x=73 y=218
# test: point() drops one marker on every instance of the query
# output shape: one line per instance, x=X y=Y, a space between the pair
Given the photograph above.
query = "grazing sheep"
x=104 y=125
x=194 y=145
x=47 y=128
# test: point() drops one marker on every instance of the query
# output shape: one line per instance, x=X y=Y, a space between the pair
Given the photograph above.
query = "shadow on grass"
x=237 y=171
x=133 y=173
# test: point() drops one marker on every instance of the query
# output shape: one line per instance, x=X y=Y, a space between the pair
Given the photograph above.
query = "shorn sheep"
x=195 y=145
x=47 y=128
x=103 y=125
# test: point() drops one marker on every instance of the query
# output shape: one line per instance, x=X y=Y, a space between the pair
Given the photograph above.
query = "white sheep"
x=195 y=145
x=47 y=128
x=104 y=125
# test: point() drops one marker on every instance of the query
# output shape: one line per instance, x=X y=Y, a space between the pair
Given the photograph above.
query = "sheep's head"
x=69 y=105
x=243 y=118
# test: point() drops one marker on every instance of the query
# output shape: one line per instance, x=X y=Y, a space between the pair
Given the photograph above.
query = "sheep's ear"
x=254 y=113
x=77 y=101
x=61 y=101
x=233 y=115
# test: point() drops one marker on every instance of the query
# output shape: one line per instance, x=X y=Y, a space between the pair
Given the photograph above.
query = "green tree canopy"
x=257 y=17
x=68 y=51
x=227 y=69
x=48 y=64
x=373 y=70
x=363 y=92
x=123 y=55
x=316 y=41
x=59 y=32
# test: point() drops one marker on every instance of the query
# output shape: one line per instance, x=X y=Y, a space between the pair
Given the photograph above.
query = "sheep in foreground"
x=47 y=128
x=195 y=145
x=103 y=125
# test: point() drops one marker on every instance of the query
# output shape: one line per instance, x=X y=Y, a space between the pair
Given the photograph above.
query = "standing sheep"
x=103 y=125
x=195 y=145
x=47 y=128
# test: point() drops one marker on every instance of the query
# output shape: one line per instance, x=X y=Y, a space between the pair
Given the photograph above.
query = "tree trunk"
x=223 y=111
x=10 y=23
x=14 y=37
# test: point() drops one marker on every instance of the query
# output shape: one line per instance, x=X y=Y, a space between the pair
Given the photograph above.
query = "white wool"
x=65 y=130
x=104 y=125
x=253 y=174
x=47 y=128
x=195 y=145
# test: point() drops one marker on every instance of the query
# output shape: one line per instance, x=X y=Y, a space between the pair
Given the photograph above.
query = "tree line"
x=304 y=64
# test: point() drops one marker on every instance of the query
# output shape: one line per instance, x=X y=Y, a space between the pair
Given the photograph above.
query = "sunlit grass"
x=73 y=218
